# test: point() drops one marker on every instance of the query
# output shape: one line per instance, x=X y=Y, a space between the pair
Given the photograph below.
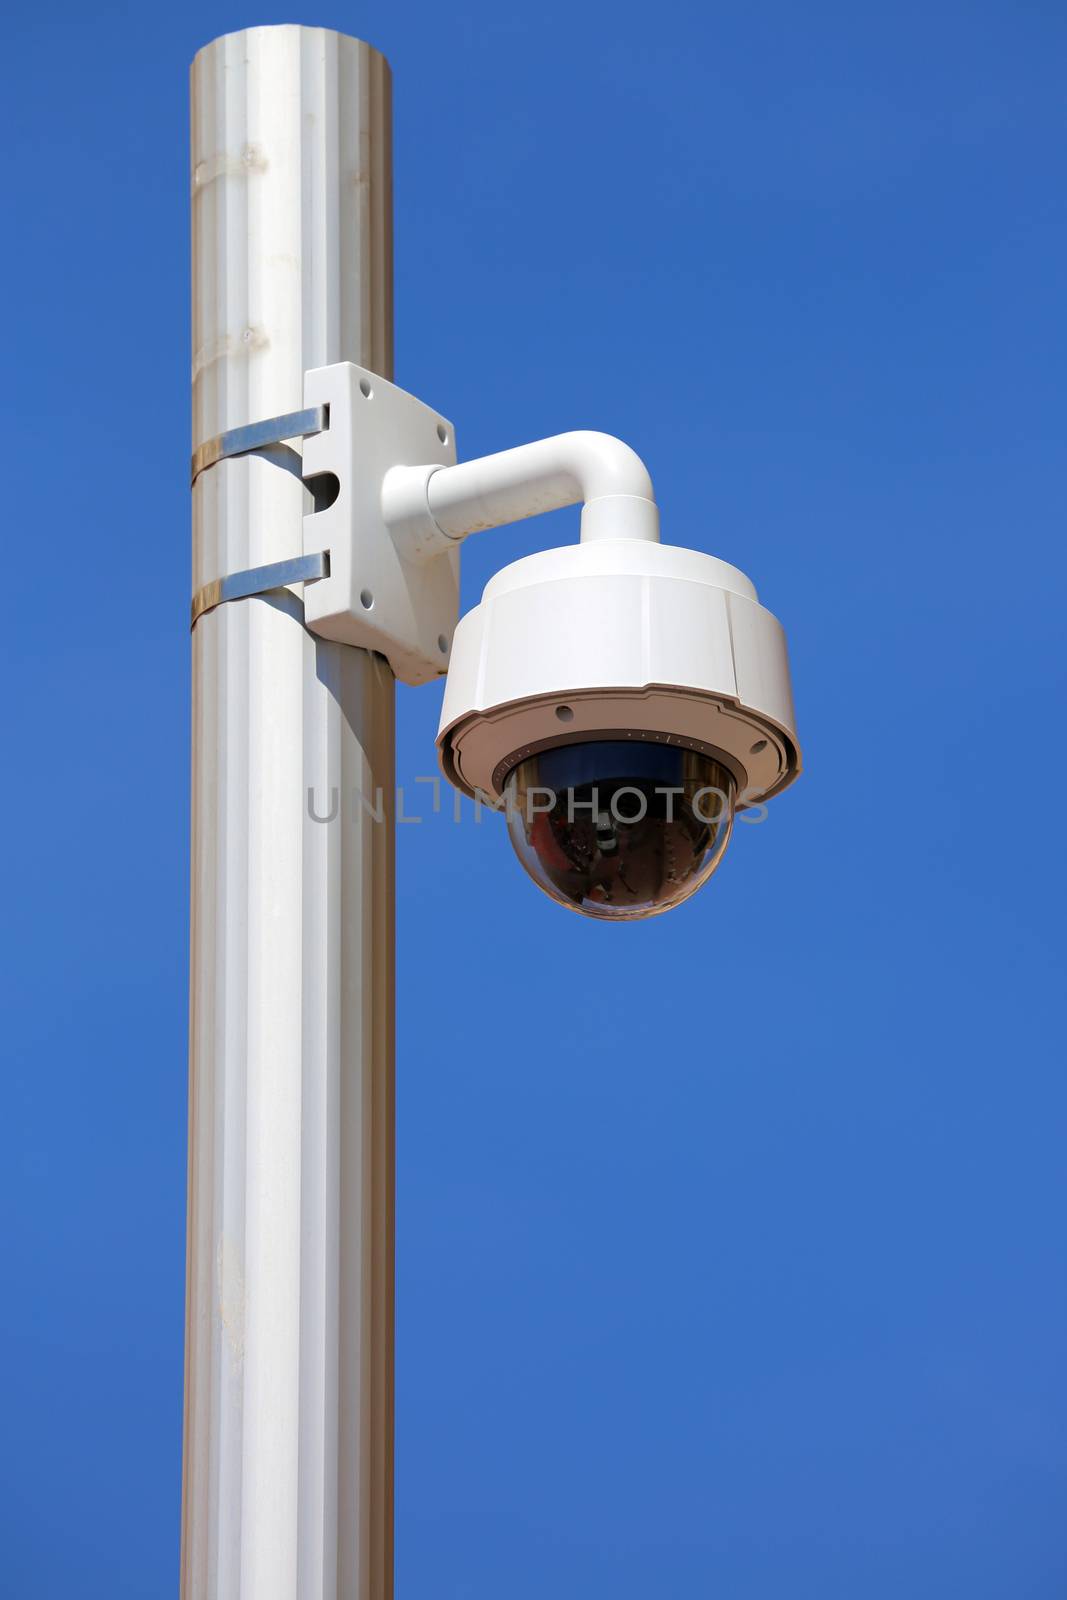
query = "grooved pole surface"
x=288 y=1451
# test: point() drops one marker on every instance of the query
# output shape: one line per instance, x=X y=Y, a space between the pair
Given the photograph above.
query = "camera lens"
x=619 y=829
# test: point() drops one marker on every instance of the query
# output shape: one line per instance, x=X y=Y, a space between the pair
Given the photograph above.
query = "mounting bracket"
x=368 y=582
x=382 y=593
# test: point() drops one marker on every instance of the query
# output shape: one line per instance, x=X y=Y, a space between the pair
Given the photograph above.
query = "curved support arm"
x=561 y=471
x=433 y=508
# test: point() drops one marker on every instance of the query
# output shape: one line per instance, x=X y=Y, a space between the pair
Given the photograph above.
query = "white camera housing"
x=619 y=639
x=616 y=667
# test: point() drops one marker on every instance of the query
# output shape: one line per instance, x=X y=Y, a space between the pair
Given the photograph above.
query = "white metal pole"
x=287 y=1481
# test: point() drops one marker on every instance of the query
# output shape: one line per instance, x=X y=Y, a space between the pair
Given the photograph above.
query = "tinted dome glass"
x=619 y=828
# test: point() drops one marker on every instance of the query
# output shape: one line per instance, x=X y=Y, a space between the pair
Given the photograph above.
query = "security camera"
x=620 y=699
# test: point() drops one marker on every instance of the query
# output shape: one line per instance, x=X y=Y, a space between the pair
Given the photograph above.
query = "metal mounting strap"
x=255 y=435
x=260 y=580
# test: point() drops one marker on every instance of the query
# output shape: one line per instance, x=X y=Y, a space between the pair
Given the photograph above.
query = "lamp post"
x=288 y=1448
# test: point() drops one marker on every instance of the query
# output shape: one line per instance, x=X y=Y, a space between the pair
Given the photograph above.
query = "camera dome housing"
x=607 y=644
x=619 y=828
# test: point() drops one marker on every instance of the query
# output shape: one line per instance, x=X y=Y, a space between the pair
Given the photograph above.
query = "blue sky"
x=730 y=1245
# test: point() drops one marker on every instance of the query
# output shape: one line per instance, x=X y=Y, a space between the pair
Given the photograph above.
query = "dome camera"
x=621 y=700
